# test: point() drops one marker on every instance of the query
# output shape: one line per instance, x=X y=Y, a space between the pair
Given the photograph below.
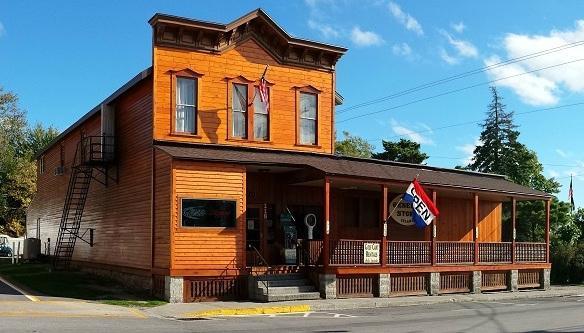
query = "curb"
x=247 y=311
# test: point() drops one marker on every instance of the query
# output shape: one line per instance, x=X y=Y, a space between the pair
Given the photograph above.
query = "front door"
x=255 y=235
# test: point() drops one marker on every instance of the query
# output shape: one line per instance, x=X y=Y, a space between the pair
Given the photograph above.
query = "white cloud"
x=553 y=173
x=402 y=49
x=365 y=38
x=2 y=30
x=405 y=19
x=464 y=48
x=458 y=27
x=468 y=150
x=531 y=88
x=448 y=58
x=399 y=129
x=563 y=153
x=554 y=80
x=325 y=30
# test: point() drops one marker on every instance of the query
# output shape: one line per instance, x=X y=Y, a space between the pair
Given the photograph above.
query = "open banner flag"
x=424 y=210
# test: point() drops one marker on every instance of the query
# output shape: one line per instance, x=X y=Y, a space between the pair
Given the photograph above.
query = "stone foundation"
x=434 y=284
x=476 y=282
x=514 y=280
x=545 y=278
x=137 y=282
x=328 y=286
x=173 y=289
x=384 y=285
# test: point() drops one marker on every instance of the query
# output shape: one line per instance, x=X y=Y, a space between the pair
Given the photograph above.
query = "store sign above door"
x=401 y=212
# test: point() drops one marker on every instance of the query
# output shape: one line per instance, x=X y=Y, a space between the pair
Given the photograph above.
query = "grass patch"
x=73 y=284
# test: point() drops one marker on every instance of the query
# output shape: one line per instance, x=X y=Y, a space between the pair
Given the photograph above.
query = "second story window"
x=239 y=111
x=186 y=105
x=260 y=117
x=308 y=118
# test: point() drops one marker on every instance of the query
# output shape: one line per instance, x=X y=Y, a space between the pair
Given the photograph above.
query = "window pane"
x=185 y=92
x=260 y=126
x=307 y=106
x=258 y=105
x=239 y=105
x=239 y=124
x=239 y=97
x=307 y=131
x=185 y=119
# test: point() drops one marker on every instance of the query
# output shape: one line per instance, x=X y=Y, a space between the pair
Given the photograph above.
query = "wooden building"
x=188 y=183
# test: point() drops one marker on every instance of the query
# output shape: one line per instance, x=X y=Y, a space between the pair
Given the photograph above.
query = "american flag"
x=264 y=95
x=571 y=195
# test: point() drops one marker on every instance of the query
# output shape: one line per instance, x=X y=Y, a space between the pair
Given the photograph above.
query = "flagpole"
x=397 y=205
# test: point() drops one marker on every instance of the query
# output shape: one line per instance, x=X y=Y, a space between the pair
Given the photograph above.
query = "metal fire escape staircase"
x=94 y=158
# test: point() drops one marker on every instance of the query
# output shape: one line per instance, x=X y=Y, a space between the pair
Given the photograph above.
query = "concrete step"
x=285 y=290
x=283 y=283
x=278 y=277
x=289 y=297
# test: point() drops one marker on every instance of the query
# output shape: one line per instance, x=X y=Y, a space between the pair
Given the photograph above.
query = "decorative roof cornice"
x=185 y=33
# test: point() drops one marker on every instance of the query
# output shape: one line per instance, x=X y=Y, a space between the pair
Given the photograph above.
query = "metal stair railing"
x=264 y=263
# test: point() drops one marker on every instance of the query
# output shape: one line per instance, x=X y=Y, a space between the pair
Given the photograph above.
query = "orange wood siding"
x=119 y=213
x=162 y=209
x=490 y=225
x=249 y=60
x=208 y=251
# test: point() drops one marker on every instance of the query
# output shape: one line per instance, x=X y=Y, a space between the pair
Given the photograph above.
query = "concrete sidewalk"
x=212 y=309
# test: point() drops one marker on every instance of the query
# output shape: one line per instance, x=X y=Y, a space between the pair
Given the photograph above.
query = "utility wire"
x=458 y=90
x=430 y=130
x=462 y=75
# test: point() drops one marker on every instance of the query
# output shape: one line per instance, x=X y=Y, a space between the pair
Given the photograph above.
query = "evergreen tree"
x=402 y=151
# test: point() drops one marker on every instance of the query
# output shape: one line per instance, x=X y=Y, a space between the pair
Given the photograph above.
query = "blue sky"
x=63 y=57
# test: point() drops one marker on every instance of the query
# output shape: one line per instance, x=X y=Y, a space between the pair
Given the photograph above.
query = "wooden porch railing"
x=495 y=252
x=530 y=252
x=409 y=252
x=347 y=252
x=454 y=252
x=310 y=252
x=350 y=252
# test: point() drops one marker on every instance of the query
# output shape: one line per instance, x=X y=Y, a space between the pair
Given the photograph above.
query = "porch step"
x=287 y=290
x=289 y=297
x=283 y=283
x=283 y=287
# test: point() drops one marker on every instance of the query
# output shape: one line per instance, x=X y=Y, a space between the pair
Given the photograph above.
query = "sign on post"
x=371 y=253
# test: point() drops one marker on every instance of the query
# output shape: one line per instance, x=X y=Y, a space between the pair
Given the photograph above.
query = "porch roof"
x=353 y=167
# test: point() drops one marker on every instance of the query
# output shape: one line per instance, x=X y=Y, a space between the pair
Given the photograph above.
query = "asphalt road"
x=9 y=294
x=541 y=315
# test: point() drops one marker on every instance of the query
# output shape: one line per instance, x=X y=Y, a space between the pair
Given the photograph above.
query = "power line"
x=462 y=75
x=430 y=130
x=457 y=90
x=546 y=164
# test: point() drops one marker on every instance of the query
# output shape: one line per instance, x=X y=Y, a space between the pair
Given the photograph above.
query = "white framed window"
x=261 y=117
x=308 y=118
x=186 y=105
x=239 y=111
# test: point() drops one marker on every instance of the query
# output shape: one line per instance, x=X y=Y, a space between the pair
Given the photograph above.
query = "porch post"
x=475 y=233
x=326 y=236
x=514 y=230
x=383 y=213
x=548 y=204
x=433 y=231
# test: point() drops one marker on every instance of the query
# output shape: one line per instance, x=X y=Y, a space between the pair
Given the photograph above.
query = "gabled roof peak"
x=182 y=32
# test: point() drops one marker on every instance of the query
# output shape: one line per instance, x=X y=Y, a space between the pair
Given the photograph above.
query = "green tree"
x=402 y=151
x=501 y=152
x=18 y=145
x=353 y=146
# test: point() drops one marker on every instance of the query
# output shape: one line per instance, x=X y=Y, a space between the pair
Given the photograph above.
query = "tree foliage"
x=402 y=151
x=18 y=145
x=353 y=146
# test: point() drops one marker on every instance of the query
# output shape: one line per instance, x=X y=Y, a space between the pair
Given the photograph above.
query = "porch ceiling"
x=355 y=168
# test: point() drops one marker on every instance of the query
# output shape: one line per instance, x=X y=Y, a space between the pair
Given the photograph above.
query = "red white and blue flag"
x=424 y=210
